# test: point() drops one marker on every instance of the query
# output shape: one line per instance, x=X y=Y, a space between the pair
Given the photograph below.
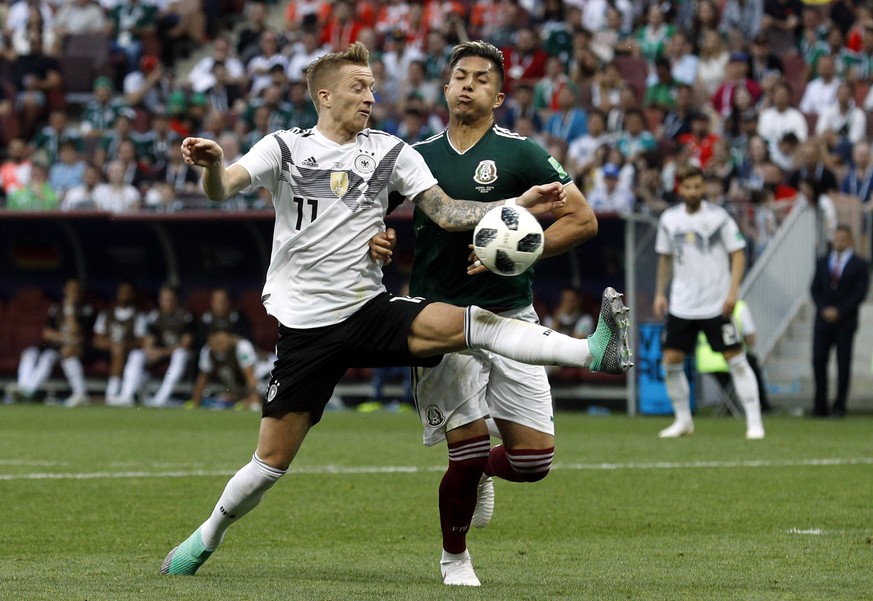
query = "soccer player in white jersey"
x=330 y=188
x=700 y=244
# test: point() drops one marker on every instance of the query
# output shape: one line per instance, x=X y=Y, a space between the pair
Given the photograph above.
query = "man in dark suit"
x=838 y=289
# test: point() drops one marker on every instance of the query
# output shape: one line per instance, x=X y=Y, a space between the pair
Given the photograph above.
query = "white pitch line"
x=398 y=469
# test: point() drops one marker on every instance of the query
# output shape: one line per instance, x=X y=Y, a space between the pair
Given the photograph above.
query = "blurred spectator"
x=248 y=39
x=609 y=38
x=22 y=38
x=705 y=20
x=81 y=197
x=568 y=121
x=100 y=112
x=683 y=62
x=781 y=195
x=609 y=197
x=15 y=170
x=735 y=78
x=20 y=14
x=35 y=195
x=750 y=173
x=225 y=95
x=168 y=342
x=415 y=84
x=341 y=28
x=762 y=62
x=50 y=138
x=306 y=15
x=258 y=68
x=68 y=172
x=661 y=92
x=677 y=121
x=75 y=17
x=781 y=15
x=177 y=110
x=780 y=119
x=36 y=76
x=115 y=196
x=811 y=169
x=413 y=128
x=712 y=65
x=131 y=20
x=119 y=332
x=861 y=22
x=569 y=317
x=223 y=317
x=821 y=92
x=700 y=141
x=547 y=88
x=525 y=61
x=155 y=142
x=607 y=88
x=229 y=361
x=65 y=337
x=520 y=105
x=303 y=53
x=811 y=38
x=741 y=121
x=272 y=108
x=397 y=58
x=149 y=86
x=859 y=180
x=742 y=19
x=182 y=26
x=581 y=154
x=635 y=139
x=202 y=76
x=651 y=39
x=180 y=177
x=842 y=124
x=437 y=58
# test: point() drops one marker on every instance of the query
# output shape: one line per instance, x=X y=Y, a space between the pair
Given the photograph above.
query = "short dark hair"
x=688 y=171
x=481 y=49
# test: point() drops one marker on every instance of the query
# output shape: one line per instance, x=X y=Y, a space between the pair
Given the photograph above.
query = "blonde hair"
x=324 y=67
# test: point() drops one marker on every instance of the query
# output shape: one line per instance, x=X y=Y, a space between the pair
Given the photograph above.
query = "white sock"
x=26 y=365
x=178 y=362
x=242 y=494
x=41 y=371
x=746 y=386
x=134 y=371
x=523 y=341
x=113 y=386
x=679 y=391
x=75 y=374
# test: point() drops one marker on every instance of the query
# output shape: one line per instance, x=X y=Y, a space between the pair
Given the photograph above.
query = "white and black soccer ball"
x=508 y=240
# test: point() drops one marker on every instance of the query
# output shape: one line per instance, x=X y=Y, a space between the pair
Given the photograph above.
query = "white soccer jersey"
x=700 y=243
x=330 y=199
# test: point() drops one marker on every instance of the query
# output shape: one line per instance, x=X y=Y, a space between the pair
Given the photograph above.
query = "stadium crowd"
x=770 y=97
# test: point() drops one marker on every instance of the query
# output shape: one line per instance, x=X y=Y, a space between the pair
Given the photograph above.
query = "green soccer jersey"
x=501 y=165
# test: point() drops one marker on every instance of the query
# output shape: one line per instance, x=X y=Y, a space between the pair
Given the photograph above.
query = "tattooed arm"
x=458 y=215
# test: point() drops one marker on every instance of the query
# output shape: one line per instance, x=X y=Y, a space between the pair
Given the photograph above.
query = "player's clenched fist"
x=201 y=152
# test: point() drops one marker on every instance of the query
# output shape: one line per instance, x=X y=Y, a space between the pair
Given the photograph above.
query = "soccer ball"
x=508 y=240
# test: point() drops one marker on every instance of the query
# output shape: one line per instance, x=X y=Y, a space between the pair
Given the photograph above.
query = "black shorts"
x=310 y=362
x=681 y=334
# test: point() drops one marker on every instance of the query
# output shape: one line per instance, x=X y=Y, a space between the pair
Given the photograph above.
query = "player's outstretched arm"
x=218 y=183
x=574 y=224
x=459 y=215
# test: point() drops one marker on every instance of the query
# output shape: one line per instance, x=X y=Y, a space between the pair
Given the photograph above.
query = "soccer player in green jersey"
x=476 y=159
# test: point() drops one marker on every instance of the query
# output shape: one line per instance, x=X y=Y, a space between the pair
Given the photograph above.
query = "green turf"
x=624 y=515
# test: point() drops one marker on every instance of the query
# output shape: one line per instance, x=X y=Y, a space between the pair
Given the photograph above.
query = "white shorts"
x=470 y=385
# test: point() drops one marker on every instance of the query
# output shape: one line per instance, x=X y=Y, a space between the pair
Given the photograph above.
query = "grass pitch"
x=92 y=500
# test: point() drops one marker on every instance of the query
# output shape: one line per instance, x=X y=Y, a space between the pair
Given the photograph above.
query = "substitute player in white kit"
x=703 y=248
x=330 y=187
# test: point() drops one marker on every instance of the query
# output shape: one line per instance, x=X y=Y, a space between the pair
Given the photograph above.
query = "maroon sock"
x=520 y=465
x=458 y=490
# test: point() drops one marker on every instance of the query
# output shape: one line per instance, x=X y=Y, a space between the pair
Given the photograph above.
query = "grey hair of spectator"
x=483 y=50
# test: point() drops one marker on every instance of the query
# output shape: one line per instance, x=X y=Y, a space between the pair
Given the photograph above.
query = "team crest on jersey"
x=434 y=416
x=486 y=172
x=364 y=164
x=339 y=182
